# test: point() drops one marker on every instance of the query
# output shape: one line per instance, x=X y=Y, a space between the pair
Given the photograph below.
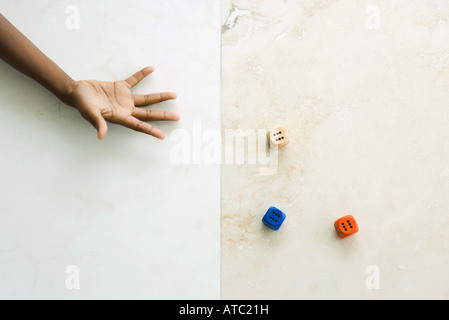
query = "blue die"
x=274 y=218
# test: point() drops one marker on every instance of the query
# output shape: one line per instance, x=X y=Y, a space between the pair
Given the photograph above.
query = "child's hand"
x=97 y=101
x=100 y=101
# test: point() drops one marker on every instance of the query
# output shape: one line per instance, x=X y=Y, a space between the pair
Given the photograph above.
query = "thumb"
x=102 y=127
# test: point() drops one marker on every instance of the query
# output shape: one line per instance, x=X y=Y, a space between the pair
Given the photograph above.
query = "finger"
x=102 y=128
x=138 y=125
x=96 y=119
x=155 y=115
x=141 y=100
x=138 y=76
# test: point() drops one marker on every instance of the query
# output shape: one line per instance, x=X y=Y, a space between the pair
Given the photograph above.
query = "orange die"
x=346 y=226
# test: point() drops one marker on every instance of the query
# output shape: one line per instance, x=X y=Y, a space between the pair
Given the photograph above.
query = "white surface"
x=136 y=225
x=366 y=103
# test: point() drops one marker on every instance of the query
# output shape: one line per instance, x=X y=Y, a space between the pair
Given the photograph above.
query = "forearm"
x=19 y=52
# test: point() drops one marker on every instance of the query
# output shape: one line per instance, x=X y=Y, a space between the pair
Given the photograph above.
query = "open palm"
x=101 y=101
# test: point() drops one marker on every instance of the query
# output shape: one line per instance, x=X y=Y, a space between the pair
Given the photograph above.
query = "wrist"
x=66 y=90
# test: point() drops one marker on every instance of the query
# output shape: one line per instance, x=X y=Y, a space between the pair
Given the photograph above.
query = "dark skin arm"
x=97 y=101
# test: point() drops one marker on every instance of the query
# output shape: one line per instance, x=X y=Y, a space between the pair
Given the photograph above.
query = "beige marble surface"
x=363 y=88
